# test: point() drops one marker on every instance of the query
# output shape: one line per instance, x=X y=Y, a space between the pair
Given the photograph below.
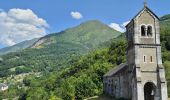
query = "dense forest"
x=80 y=80
x=82 y=76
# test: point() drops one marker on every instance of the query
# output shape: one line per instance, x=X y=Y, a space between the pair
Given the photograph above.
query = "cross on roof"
x=145 y=3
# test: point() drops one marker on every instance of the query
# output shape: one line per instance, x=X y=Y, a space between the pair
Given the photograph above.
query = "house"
x=3 y=87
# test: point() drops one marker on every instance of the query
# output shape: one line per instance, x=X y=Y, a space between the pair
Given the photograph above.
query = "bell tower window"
x=142 y=30
x=149 y=31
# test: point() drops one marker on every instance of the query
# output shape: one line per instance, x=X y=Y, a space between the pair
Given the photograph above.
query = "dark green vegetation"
x=56 y=51
x=165 y=39
x=82 y=76
x=80 y=80
x=165 y=30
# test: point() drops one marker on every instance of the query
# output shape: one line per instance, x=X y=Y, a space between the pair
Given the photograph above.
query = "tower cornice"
x=148 y=44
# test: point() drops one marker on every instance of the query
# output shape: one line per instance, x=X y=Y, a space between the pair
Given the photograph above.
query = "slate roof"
x=3 y=85
x=115 y=70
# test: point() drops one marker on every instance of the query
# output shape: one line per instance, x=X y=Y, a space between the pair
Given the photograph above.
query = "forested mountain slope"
x=81 y=79
x=57 y=50
x=88 y=34
x=18 y=47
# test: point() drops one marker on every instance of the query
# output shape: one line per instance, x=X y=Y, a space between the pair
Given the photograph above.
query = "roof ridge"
x=115 y=69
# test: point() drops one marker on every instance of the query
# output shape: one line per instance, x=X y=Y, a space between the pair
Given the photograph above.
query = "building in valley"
x=3 y=87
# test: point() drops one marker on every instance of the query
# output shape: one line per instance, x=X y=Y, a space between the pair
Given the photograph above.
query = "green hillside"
x=18 y=47
x=165 y=31
x=81 y=79
x=88 y=34
x=57 y=50
x=165 y=20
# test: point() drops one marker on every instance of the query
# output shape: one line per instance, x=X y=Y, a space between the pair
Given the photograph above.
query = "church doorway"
x=149 y=91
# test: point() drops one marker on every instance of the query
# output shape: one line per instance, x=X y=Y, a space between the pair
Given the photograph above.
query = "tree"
x=84 y=87
x=37 y=93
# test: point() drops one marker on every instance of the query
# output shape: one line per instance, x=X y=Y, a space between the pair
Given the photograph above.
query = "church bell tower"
x=147 y=74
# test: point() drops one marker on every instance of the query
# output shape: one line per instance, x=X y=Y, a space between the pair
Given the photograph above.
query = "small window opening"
x=143 y=30
x=149 y=31
x=144 y=59
x=151 y=60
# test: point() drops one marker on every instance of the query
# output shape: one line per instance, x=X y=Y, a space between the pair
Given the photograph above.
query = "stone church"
x=143 y=76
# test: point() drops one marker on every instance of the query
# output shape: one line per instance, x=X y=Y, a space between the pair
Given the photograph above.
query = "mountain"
x=88 y=34
x=165 y=22
x=56 y=51
x=165 y=25
x=17 y=47
x=84 y=34
x=165 y=31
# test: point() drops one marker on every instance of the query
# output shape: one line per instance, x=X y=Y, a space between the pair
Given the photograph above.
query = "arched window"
x=149 y=31
x=142 y=30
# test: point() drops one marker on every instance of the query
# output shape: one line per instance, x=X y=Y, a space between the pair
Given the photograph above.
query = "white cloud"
x=76 y=15
x=125 y=23
x=119 y=27
x=18 y=25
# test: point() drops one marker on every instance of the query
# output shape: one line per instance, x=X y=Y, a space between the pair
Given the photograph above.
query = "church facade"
x=143 y=76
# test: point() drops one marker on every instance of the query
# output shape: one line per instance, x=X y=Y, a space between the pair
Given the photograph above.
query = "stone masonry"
x=143 y=76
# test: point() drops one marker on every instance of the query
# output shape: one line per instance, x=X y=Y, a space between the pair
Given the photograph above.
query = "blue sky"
x=57 y=13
